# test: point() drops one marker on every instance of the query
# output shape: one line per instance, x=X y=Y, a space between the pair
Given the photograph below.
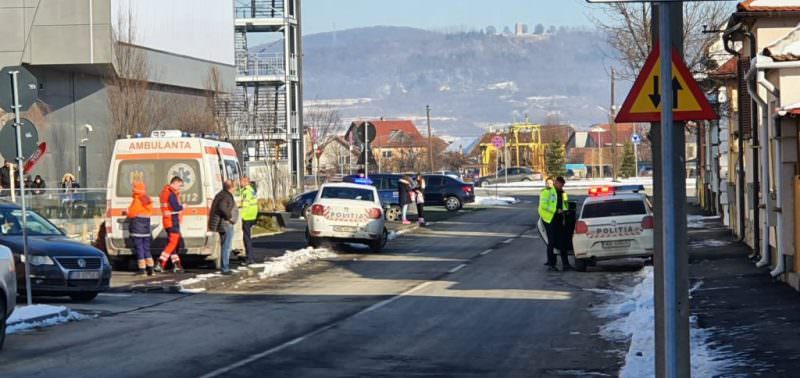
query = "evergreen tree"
x=539 y=29
x=555 y=159
x=628 y=168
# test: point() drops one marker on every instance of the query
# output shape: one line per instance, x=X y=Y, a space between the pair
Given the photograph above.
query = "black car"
x=301 y=204
x=59 y=265
x=452 y=193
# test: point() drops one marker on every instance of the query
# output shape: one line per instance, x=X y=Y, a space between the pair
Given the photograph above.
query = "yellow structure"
x=524 y=148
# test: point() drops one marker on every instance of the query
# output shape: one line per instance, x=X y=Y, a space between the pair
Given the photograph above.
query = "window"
x=434 y=180
x=232 y=170
x=386 y=154
x=613 y=208
x=513 y=171
x=11 y=223
x=348 y=194
x=157 y=173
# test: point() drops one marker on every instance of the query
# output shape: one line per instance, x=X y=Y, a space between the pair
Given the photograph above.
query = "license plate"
x=87 y=275
x=617 y=244
x=344 y=229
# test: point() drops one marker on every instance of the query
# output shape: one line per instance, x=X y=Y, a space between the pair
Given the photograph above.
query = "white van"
x=202 y=163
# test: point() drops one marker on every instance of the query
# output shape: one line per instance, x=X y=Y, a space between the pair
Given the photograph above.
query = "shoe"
x=552 y=268
x=149 y=271
x=567 y=268
x=227 y=273
x=141 y=273
x=177 y=270
x=406 y=222
x=158 y=269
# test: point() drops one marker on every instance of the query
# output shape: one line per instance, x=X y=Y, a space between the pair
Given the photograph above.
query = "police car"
x=614 y=223
x=347 y=213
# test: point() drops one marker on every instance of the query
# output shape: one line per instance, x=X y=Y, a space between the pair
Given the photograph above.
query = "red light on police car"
x=375 y=213
x=601 y=191
x=317 y=210
x=581 y=227
x=648 y=222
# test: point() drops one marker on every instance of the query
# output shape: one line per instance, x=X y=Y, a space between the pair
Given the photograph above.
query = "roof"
x=624 y=133
x=786 y=48
x=726 y=70
x=393 y=134
x=345 y=185
x=623 y=196
x=769 y=5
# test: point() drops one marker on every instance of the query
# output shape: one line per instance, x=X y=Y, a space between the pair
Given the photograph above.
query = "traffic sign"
x=28 y=89
x=498 y=141
x=365 y=131
x=643 y=103
x=8 y=139
x=636 y=139
x=35 y=158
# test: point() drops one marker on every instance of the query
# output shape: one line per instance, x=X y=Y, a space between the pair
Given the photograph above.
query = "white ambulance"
x=202 y=163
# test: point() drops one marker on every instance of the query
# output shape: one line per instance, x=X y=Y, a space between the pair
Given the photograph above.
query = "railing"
x=261 y=9
x=262 y=65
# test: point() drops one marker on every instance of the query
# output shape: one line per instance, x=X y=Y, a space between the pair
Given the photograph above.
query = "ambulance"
x=202 y=162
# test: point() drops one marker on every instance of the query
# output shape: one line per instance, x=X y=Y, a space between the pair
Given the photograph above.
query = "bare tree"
x=627 y=27
x=322 y=123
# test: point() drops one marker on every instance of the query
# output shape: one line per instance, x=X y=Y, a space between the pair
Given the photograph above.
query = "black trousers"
x=555 y=233
x=247 y=227
x=421 y=210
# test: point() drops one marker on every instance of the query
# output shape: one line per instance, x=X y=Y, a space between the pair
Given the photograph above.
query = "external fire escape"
x=268 y=115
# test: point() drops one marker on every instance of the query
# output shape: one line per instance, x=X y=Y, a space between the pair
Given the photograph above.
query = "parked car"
x=8 y=289
x=515 y=174
x=347 y=213
x=388 y=192
x=301 y=204
x=60 y=266
x=442 y=190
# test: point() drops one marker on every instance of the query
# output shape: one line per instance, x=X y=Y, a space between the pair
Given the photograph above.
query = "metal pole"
x=366 y=149
x=20 y=164
x=613 y=131
x=675 y=346
x=430 y=139
x=636 y=159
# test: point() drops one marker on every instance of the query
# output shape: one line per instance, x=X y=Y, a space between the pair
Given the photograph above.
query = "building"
x=398 y=146
x=334 y=156
x=74 y=46
x=524 y=145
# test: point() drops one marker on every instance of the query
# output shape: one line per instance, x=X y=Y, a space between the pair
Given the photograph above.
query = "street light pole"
x=430 y=139
x=613 y=130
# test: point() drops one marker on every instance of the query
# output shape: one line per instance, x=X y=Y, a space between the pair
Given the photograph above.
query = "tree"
x=321 y=123
x=506 y=30
x=555 y=159
x=627 y=27
x=539 y=29
x=491 y=30
x=454 y=160
x=628 y=168
x=551 y=29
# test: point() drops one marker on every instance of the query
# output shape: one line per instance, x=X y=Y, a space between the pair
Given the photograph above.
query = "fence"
x=79 y=212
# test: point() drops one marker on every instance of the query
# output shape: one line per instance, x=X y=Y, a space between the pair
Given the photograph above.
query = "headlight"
x=38 y=260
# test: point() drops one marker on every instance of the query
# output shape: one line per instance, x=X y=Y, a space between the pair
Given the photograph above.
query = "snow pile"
x=495 y=201
x=293 y=259
x=634 y=320
x=40 y=316
x=199 y=278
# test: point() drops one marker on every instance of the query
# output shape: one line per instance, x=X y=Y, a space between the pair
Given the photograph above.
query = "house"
x=524 y=145
x=335 y=156
x=398 y=145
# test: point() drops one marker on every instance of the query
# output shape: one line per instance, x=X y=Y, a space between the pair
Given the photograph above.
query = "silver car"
x=8 y=289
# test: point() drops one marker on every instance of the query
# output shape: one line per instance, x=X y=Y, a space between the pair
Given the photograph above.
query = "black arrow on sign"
x=676 y=87
x=655 y=97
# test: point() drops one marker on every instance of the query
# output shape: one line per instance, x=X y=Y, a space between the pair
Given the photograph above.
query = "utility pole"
x=613 y=112
x=430 y=139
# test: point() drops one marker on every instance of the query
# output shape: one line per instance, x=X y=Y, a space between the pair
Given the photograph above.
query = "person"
x=249 y=210
x=38 y=185
x=69 y=184
x=5 y=176
x=548 y=183
x=222 y=217
x=139 y=213
x=404 y=192
x=419 y=198
x=552 y=208
x=171 y=217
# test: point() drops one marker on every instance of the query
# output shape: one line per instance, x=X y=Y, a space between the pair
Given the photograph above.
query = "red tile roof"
x=624 y=133
x=727 y=69
x=393 y=133
x=785 y=6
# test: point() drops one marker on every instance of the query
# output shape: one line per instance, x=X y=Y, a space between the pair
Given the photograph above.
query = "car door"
x=434 y=190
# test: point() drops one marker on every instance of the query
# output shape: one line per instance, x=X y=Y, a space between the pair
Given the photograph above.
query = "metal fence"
x=79 y=212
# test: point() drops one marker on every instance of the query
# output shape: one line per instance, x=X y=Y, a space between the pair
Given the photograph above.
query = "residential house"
x=398 y=145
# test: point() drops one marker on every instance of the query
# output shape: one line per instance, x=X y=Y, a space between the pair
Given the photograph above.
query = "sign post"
x=499 y=143
x=20 y=164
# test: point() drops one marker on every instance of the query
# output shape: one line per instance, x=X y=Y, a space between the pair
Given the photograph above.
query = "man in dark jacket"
x=224 y=214
x=5 y=178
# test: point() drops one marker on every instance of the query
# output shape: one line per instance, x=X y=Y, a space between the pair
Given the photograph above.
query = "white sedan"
x=347 y=213
x=613 y=223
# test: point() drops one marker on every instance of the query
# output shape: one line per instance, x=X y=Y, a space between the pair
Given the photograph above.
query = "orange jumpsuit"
x=139 y=213
x=171 y=213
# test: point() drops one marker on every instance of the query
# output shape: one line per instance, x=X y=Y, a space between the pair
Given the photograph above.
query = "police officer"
x=553 y=205
x=249 y=212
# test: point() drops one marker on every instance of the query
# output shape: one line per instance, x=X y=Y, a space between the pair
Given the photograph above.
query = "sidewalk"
x=750 y=315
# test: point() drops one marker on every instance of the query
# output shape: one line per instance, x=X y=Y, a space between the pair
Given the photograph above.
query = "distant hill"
x=471 y=80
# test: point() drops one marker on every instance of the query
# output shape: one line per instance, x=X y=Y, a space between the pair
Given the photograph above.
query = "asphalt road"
x=466 y=297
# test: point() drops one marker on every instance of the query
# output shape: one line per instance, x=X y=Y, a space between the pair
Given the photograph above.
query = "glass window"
x=513 y=171
x=232 y=170
x=613 y=208
x=157 y=173
x=434 y=180
x=11 y=223
x=348 y=194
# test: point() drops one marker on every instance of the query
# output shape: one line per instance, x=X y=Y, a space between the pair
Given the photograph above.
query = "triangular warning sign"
x=643 y=103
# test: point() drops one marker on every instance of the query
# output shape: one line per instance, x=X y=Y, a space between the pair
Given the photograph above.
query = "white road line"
x=255 y=357
x=456 y=269
x=486 y=252
x=508 y=241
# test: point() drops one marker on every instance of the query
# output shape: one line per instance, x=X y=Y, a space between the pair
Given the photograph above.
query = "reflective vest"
x=249 y=203
x=171 y=216
x=548 y=200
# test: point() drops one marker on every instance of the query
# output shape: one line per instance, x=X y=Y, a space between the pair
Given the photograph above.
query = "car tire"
x=306 y=213
x=452 y=203
x=526 y=180
x=85 y=296
x=580 y=265
x=3 y=321
x=483 y=184
x=376 y=246
x=393 y=213
x=312 y=241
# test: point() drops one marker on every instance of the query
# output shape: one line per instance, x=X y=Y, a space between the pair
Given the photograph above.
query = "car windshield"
x=157 y=173
x=348 y=194
x=613 y=208
x=11 y=224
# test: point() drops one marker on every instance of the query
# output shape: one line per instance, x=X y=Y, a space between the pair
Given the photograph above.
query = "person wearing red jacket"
x=139 y=213
x=171 y=215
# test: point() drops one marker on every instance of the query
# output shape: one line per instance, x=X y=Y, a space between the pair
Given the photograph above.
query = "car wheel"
x=376 y=246
x=393 y=213
x=312 y=241
x=452 y=203
x=526 y=179
x=2 y=322
x=306 y=212
x=580 y=265
x=483 y=184
x=84 y=296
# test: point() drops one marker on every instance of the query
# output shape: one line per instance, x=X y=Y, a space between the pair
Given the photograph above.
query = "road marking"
x=255 y=357
x=508 y=241
x=115 y=295
x=486 y=252
x=456 y=269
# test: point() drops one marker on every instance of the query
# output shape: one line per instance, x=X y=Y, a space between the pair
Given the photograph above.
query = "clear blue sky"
x=327 y=15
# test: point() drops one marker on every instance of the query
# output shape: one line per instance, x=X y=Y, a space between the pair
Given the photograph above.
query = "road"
x=465 y=297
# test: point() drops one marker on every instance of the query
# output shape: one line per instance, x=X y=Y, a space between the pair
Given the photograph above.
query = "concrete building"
x=69 y=46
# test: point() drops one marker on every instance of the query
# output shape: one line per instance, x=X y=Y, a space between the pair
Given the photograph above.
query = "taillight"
x=581 y=227
x=648 y=223
x=467 y=188
x=375 y=213
x=317 y=210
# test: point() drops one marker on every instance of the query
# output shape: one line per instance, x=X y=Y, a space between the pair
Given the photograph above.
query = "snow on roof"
x=769 y=5
x=785 y=48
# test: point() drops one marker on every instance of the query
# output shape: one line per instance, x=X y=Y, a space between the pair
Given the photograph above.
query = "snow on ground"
x=586 y=183
x=199 y=278
x=40 y=316
x=293 y=259
x=698 y=221
x=633 y=319
x=494 y=201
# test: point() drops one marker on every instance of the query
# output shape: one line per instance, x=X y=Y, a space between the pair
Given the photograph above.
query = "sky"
x=329 y=15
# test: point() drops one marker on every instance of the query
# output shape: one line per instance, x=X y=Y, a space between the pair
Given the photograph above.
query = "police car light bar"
x=601 y=191
x=629 y=188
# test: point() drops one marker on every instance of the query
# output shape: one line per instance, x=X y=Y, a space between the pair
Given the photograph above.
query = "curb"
x=38 y=319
